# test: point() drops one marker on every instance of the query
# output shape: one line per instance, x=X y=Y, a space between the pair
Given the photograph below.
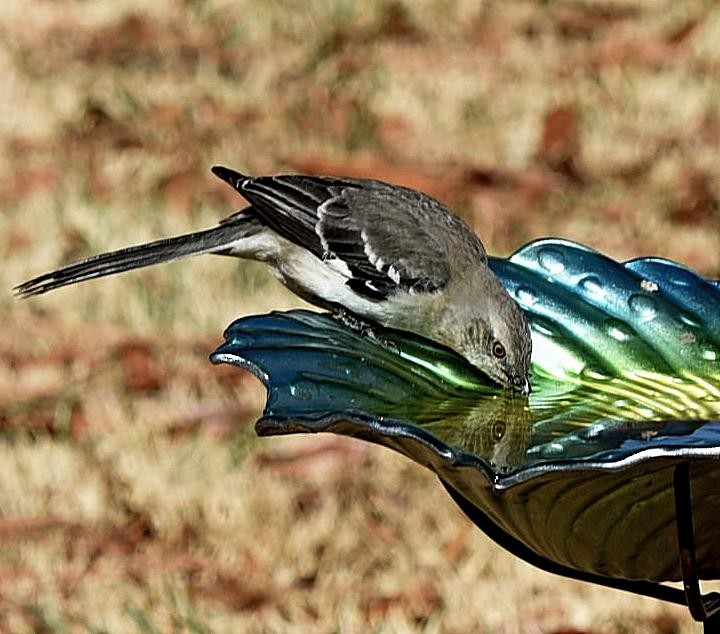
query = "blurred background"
x=133 y=494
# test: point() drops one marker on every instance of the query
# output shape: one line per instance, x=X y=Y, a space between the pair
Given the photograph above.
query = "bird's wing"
x=386 y=236
x=383 y=242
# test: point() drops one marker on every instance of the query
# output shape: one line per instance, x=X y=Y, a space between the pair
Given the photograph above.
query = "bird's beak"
x=518 y=382
x=522 y=385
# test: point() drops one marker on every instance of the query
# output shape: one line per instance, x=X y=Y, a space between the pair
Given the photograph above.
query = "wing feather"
x=386 y=237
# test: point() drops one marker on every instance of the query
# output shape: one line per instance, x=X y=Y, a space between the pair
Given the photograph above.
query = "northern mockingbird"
x=377 y=251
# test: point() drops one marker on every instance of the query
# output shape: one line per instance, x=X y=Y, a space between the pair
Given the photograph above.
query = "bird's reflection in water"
x=497 y=429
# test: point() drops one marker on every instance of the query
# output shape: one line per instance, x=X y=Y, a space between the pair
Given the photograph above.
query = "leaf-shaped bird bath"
x=626 y=386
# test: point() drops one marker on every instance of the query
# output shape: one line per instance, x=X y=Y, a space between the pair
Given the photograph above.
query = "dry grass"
x=133 y=494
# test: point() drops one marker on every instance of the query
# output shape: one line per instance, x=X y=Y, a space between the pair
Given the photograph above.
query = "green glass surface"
x=626 y=383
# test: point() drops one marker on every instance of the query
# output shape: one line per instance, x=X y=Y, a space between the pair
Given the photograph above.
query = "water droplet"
x=552 y=260
x=592 y=285
x=542 y=329
x=303 y=391
x=688 y=320
x=595 y=374
x=644 y=306
x=242 y=339
x=649 y=286
x=525 y=295
x=618 y=330
x=554 y=449
x=677 y=280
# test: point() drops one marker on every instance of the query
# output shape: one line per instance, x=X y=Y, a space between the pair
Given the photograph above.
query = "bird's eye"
x=498 y=350
x=498 y=430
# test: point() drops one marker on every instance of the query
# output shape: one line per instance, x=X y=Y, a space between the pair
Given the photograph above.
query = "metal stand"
x=703 y=608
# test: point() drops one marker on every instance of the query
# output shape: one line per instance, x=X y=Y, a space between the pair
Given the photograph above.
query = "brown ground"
x=133 y=493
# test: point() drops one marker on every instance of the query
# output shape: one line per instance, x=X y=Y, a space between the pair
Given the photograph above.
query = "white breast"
x=327 y=280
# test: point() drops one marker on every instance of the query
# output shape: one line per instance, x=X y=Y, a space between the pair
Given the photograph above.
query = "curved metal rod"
x=703 y=608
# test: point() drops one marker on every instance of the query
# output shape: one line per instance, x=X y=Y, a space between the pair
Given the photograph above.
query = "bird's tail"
x=215 y=240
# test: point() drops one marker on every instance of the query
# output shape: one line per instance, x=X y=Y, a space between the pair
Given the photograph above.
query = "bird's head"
x=498 y=342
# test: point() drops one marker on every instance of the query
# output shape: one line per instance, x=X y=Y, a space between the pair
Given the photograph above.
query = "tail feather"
x=215 y=240
x=230 y=176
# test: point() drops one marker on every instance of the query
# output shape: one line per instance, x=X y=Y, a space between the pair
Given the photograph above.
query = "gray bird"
x=360 y=248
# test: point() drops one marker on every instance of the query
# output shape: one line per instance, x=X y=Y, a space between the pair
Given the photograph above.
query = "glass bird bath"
x=609 y=472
